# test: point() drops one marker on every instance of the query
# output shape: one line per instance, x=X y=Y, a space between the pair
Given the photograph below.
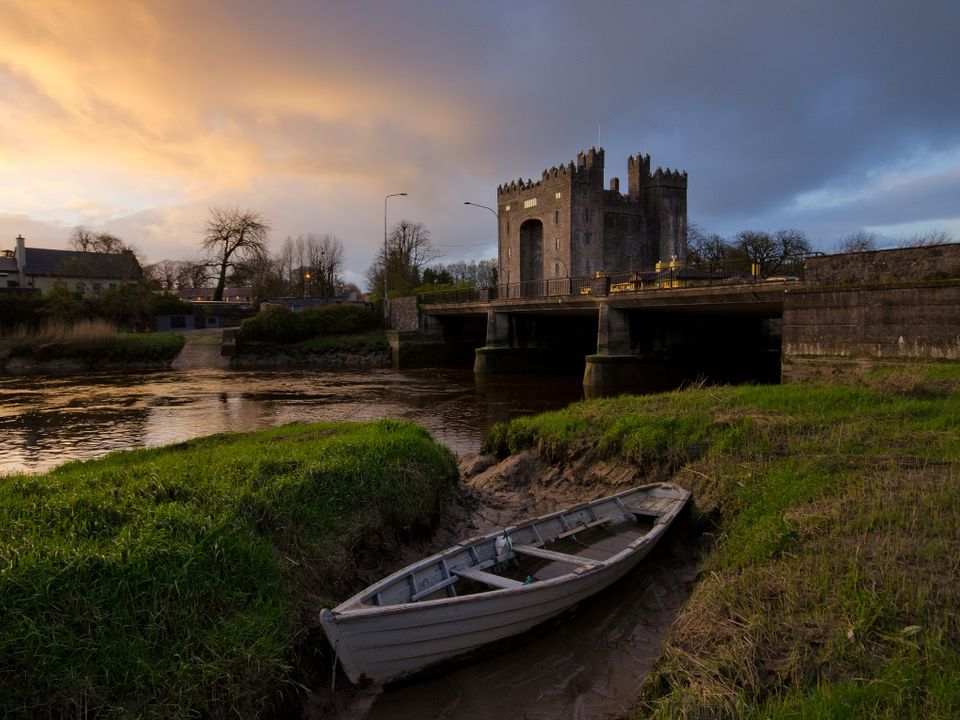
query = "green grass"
x=178 y=582
x=371 y=341
x=831 y=578
x=113 y=348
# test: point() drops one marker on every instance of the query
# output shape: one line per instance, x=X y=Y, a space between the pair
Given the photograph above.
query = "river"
x=45 y=421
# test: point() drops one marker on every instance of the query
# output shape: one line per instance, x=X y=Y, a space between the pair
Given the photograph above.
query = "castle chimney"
x=615 y=185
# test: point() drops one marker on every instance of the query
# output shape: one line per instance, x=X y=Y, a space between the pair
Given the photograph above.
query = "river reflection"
x=47 y=421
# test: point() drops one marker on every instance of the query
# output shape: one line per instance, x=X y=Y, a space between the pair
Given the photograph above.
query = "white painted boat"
x=457 y=601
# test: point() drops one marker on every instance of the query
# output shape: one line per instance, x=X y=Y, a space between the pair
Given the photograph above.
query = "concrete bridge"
x=625 y=337
x=638 y=332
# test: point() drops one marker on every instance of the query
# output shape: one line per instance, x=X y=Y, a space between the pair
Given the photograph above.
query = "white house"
x=85 y=272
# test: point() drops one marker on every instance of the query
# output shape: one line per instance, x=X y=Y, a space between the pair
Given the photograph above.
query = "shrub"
x=282 y=326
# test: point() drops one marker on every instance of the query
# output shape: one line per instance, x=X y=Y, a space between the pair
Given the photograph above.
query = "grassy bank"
x=831 y=583
x=175 y=582
x=90 y=342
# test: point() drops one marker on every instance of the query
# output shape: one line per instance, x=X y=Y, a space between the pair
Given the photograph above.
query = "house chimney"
x=21 y=255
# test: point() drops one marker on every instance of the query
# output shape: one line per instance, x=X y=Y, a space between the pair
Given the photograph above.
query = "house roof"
x=76 y=264
x=8 y=265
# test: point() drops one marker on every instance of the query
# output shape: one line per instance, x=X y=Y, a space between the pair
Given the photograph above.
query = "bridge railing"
x=730 y=273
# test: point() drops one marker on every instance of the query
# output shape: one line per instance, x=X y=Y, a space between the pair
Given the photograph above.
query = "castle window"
x=557 y=196
x=508 y=227
x=586 y=215
x=556 y=269
x=577 y=237
x=509 y=252
x=587 y=266
x=556 y=242
x=532 y=202
x=587 y=237
x=507 y=209
x=556 y=217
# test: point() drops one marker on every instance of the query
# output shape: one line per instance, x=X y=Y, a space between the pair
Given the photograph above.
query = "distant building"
x=567 y=224
x=85 y=272
x=243 y=295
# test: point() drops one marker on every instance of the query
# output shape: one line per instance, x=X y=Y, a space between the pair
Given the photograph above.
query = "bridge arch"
x=531 y=251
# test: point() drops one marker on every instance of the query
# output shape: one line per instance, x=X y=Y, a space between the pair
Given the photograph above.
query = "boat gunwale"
x=354 y=609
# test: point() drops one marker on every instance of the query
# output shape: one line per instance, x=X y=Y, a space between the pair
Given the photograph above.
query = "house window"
x=12 y=283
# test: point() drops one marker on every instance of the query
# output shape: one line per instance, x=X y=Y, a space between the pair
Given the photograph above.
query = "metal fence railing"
x=732 y=273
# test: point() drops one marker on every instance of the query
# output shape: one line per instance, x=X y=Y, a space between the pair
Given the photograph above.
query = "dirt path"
x=201 y=351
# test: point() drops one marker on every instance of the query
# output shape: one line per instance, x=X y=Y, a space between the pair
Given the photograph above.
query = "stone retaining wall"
x=936 y=262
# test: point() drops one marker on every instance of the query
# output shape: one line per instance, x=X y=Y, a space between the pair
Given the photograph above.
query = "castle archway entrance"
x=531 y=258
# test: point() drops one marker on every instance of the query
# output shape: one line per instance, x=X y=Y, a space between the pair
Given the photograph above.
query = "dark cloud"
x=826 y=116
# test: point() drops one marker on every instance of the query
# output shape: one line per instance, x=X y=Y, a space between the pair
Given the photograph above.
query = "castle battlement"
x=567 y=222
x=588 y=167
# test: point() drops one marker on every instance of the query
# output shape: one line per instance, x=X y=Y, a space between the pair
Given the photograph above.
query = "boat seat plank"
x=644 y=512
x=487 y=578
x=553 y=555
x=433 y=588
x=585 y=526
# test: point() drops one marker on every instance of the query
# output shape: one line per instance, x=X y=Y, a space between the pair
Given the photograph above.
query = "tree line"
x=769 y=253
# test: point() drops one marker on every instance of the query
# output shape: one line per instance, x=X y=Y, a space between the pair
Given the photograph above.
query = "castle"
x=567 y=224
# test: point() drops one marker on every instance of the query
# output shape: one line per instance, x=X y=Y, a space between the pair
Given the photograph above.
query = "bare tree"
x=760 y=248
x=285 y=263
x=86 y=240
x=933 y=237
x=161 y=276
x=408 y=252
x=83 y=239
x=709 y=252
x=859 y=241
x=233 y=236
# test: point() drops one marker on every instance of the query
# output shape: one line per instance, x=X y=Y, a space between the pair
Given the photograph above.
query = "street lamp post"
x=386 y=315
x=497 y=216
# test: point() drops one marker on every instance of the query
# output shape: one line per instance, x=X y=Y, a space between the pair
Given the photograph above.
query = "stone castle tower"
x=567 y=224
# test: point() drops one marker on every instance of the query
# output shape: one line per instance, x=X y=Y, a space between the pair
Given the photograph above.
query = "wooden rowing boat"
x=494 y=586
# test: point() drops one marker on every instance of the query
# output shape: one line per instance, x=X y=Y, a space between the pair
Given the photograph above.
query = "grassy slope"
x=118 y=348
x=164 y=582
x=832 y=585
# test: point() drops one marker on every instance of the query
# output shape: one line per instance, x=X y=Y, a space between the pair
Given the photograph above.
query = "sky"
x=136 y=118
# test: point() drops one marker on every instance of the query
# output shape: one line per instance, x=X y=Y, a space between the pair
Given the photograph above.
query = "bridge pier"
x=614 y=364
x=523 y=343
